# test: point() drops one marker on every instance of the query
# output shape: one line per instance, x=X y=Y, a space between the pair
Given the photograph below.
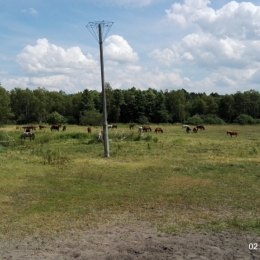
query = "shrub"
x=194 y=120
x=213 y=120
x=244 y=119
x=56 y=118
x=92 y=118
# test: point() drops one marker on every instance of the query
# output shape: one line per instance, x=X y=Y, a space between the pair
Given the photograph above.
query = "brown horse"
x=27 y=134
x=195 y=130
x=41 y=127
x=64 y=128
x=232 y=133
x=158 y=130
x=147 y=128
x=55 y=127
x=200 y=127
x=131 y=126
x=29 y=127
x=89 y=130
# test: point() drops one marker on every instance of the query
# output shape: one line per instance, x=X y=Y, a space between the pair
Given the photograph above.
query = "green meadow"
x=175 y=181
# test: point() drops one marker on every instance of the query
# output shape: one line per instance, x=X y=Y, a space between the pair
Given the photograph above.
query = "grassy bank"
x=176 y=181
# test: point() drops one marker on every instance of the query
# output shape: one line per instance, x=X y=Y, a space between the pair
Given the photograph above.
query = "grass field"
x=176 y=181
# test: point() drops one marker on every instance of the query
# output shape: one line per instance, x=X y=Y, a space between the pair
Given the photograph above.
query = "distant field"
x=176 y=181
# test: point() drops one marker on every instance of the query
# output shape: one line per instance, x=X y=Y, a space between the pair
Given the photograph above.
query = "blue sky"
x=198 y=45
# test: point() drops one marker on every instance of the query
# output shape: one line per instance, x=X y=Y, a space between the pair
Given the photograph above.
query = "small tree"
x=56 y=118
x=194 y=120
x=92 y=118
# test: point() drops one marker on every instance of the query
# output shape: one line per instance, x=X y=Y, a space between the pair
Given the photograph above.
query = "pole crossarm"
x=93 y=27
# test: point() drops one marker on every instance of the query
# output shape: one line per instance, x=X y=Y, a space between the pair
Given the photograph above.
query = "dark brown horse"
x=200 y=127
x=188 y=129
x=41 y=127
x=55 y=127
x=147 y=128
x=114 y=126
x=195 y=130
x=232 y=133
x=158 y=130
x=28 y=134
x=64 y=128
x=89 y=130
x=131 y=126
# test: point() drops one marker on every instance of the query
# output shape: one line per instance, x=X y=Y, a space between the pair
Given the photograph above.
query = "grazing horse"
x=28 y=134
x=188 y=129
x=147 y=128
x=16 y=127
x=114 y=126
x=232 y=133
x=200 y=127
x=29 y=127
x=109 y=126
x=184 y=126
x=195 y=130
x=41 y=127
x=64 y=128
x=89 y=130
x=55 y=127
x=131 y=126
x=158 y=130
x=140 y=129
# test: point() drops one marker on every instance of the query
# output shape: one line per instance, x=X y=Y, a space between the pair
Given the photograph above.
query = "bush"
x=194 y=120
x=213 y=120
x=91 y=118
x=244 y=119
x=56 y=118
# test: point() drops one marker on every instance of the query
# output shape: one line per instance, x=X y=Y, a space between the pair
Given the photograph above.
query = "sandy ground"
x=133 y=242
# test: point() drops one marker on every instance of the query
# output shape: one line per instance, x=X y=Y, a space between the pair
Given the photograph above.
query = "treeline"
x=22 y=106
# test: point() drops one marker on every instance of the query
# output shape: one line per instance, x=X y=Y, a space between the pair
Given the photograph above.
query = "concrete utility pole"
x=96 y=30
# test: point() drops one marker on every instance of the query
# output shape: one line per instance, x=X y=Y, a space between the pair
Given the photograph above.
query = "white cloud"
x=30 y=11
x=117 y=49
x=233 y=20
x=49 y=58
x=228 y=37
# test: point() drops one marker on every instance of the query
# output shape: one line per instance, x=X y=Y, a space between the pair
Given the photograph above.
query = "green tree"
x=161 y=113
x=227 y=108
x=5 y=108
x=175 y=103
x=87 y=102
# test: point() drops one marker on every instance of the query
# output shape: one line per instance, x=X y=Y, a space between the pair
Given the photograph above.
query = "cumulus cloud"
x=233 y=20
x=53 y=67
x=45 y=57
x=228 y=37
x=117 y=49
